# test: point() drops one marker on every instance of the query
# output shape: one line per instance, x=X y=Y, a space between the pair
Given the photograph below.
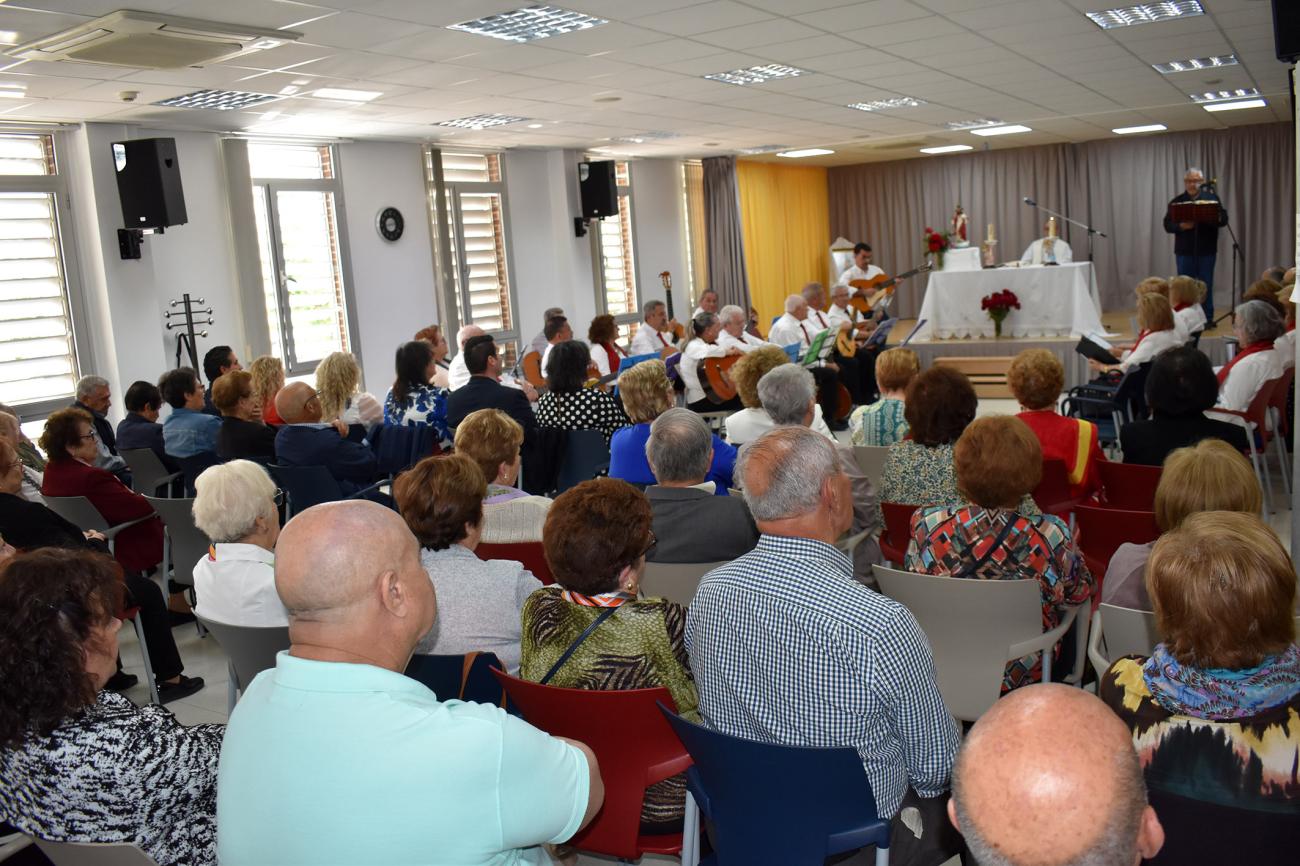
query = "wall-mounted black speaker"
x=598 y=188
x=1286 y=30
x=149 y=183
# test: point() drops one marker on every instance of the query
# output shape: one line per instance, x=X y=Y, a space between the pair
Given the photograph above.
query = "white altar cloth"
x=1055 y=301
x=962 y=259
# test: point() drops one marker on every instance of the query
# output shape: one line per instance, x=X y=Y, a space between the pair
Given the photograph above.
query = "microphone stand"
x=1092 y=232
x=1212 y=186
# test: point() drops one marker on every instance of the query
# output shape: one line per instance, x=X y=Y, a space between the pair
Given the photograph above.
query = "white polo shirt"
x=696 y=351
x=235 y=584
x=648 y=341
x=746 y=342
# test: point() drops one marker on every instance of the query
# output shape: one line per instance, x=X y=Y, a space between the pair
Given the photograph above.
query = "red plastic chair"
x=1280 y=394
x=1128 y=486
x=634 y=744
x=1102 y=530
x=530 y=554
x=1053 y=491
x=1256 y=418
x=898 y=530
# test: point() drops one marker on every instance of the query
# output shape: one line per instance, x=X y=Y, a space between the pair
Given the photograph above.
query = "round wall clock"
x=390 y=223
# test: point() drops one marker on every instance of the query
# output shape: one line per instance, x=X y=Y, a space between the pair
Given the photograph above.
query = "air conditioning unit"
x=142 y=40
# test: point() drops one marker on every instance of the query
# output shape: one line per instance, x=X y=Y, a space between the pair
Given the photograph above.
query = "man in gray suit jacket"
x=690 y=523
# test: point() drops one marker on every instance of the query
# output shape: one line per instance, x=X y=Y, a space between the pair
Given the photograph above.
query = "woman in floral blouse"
x=567 y=405
x=414 y=401
x=998 y=460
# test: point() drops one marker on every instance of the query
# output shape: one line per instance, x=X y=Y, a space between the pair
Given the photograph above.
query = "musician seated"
x=733 y=334
x=704 y=344
x=1048 y=249
x=539 y=342
x=854 y=326
x=605 y=353
x=656 y=331
x=1156 y=333
x=708 y=303
x=792 y=329
x=557 y=330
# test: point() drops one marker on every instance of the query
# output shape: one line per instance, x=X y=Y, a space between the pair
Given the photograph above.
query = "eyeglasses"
x=278 y=497
x=650 y=546
x=84 y=436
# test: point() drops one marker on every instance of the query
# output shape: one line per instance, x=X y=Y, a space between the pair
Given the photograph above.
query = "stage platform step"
x=988 y=373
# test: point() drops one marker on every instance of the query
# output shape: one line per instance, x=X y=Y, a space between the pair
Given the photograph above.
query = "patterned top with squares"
x=788 y=648
x=586 y=409
x=949 y=540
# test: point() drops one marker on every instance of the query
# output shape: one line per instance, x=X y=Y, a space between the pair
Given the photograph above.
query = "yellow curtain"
x=785 y=219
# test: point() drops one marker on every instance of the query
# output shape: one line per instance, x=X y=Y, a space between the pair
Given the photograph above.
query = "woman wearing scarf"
x=1156 y=333
x=605 y=353
x=1257 y=326
x=1215 y=710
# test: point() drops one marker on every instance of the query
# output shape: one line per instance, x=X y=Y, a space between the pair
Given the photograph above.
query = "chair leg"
x=691 y=833
x=882 y=856
x=148 y=666
x=1047 y=665
x=1279 y=449
x=1261 y=474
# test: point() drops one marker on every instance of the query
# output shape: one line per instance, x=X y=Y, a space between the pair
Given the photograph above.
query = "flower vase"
x=997 y=329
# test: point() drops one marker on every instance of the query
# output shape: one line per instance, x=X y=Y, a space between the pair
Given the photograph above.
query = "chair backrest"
x=1128 y=485
x=530 y=554
x=1102 y=530
x=871 y=460
x=147 y=471
x=898 y=529
x=449 y=679
x=972 y=625
x=250 y=650
x=188 y=543
x=675 y=581
x=94 y=854
x=1130 y=396
x=769 y=803
x=585 y=454
x=192 y=467
x=1054 y=488
x=399 y=448
x=77 y=510
x=633 y=742
x=1280 y=393
x=306 y=485
x=1127 y=632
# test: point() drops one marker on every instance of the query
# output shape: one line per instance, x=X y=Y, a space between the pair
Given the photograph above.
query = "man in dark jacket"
x=485 y=391
x=140 y=427
x=1196 y=245
x=305 y=441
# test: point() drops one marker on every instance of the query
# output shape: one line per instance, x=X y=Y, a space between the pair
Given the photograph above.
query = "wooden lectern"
x=1195 y=212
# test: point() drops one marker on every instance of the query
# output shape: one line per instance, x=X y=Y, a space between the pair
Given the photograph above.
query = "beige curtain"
x=1120 y=186
x=726 y=243
x=696 y=231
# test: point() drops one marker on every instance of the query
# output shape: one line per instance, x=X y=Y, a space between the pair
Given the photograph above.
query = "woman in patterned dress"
x=998 y=460
x=597 y=536
x=567 y=404
x=884 y=422
x=414 y=401
x=78 y=763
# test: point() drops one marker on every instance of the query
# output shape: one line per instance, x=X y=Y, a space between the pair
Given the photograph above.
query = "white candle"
x=991 y=236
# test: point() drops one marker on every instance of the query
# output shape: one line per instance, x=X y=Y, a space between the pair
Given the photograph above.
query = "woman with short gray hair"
x=236 y=506
x=1256 y=325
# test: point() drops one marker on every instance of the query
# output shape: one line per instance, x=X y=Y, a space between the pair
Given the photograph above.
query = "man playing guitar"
x=655 y=333
x=848 y=368
x=846 y=317
x=862 y=268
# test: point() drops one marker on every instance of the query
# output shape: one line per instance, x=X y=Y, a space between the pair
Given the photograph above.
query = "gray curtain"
x=726 y=245
x=1120 y=186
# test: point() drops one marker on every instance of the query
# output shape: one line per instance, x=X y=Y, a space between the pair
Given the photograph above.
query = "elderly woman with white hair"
x=1257 y=325
x=236 y=507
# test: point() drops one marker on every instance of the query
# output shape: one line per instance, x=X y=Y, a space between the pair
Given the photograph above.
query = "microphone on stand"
x=1029 y=201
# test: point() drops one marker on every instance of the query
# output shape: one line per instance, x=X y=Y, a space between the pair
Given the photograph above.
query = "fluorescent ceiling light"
x=808 y=151
x=1220 y=95
x=536 y=125
x=219 y=100
x=643 y=137
x=756 y=74
x=1134 y=130
x=1233 y=106
x=947 y=148
x=480 y=121
x=752 y=151
x=529 y=23
x=1172 y=66
x=1001 y=130
x=1145 y=13
x=13 y=94
x=886 y=104
x=346 y=95
x=972 y=124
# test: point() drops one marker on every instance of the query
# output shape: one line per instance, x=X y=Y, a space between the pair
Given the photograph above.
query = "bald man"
x=457 y=373
x=1025 y=793
x=336 y=757
x=305 y=441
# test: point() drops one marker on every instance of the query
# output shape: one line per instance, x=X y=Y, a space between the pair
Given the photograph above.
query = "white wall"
x=659 y=225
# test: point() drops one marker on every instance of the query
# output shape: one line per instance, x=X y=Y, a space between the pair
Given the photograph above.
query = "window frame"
x=623 y=192
x=292 y=366
x=75 y=306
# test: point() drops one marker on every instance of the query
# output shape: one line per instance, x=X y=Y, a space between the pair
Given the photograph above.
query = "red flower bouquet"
x=935 y=244
x=998 y=305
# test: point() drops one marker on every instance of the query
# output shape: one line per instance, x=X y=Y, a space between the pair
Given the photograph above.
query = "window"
x=296 y=201
x=614 y=259
x=470 y=224
x=38 y=345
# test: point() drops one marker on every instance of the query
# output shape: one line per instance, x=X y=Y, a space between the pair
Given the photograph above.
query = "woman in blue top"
x=647 y=394
x=413 y=400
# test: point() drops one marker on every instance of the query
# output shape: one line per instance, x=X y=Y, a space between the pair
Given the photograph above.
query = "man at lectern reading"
x=1196 y=245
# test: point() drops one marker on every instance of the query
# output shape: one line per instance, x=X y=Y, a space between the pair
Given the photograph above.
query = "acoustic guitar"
x=870 y=292
x=678 y=329
x=716 y=381
x=532 y=364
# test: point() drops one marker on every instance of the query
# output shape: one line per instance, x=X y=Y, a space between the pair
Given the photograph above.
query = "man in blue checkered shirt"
x=787 y=647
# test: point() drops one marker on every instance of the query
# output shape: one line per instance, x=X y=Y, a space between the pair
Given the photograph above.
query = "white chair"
x=675 y=581
x=1118 y=632
x=975 y=627
x=249 y=651
x=94 y=854
x=871 y=460
x=79 y=511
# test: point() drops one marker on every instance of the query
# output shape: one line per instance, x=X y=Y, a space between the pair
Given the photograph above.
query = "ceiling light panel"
x=345 y=95
x=1012 y=129
x=887 y=104
x=1234 y=106
x=1134 y=130
x=218 y=100
x=1171 y=66
x=972 y=124
x=947 y=148
x=808 y=151
x=643 y=137
x=530 y=23
x=1220 y=95
x=763 y=148
x=480 y=121
x=1144 y=13
x=757 y=74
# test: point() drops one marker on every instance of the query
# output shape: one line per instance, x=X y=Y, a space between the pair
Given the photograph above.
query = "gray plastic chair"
x=12 y=843
x=675 y=581
x=94 y=854
x=871 y=460
x=975 y=627
x=186 y=543
x=1118 y=632
x=147 y=472
x=78 y=511
x=249 y=651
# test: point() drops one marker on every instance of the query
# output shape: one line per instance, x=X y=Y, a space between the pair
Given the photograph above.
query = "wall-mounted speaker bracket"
x=128 y=242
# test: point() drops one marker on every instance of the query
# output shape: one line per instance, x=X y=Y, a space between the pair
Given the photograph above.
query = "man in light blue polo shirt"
x=335 y=757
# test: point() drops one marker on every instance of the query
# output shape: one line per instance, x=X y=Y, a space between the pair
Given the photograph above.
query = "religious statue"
x=958 y=234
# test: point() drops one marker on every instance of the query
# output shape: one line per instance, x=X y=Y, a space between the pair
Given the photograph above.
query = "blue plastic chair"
x=465 y=677
x=585 y=456
x=192 y=467
x=767 y=803
x=311 y=485
x=399 y=448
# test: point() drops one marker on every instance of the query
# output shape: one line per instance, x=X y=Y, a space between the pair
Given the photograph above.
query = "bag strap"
x=573 y=647
x=970 y=570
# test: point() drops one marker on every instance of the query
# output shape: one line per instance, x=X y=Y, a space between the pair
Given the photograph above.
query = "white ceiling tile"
x=904 y=31
x=702 y=18
x=252 y=13
x=856 y=16
x=758 y=34
x=354 y=30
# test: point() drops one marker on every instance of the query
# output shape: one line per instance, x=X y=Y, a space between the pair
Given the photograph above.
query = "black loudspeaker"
x=1286 y=30
x=598 y=188
x=149 y=183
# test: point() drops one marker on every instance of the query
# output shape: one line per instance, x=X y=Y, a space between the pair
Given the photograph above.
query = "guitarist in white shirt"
x=862 y=268
x=793 y=328
x=850 y=370
x=846 y=317
x=733 y=334
x=654 y=335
